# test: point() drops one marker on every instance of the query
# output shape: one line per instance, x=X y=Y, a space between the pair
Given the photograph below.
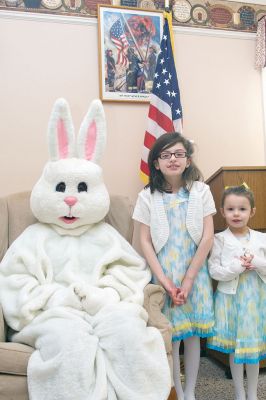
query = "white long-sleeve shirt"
x=224 y=263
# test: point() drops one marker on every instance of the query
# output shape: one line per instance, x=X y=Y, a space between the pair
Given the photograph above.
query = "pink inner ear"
x=90 y=141
x=62 y=139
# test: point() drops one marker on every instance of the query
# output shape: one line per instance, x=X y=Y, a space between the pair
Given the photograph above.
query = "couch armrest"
x=2 y=326
x=154 y=298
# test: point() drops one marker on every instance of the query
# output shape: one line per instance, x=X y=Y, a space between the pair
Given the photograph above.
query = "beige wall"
x=43 y=59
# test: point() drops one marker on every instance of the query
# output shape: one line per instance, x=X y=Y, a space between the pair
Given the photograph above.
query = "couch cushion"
x=14 y=358
x=3 y=227
x=120 y=216
x=2 y=326
x=13 y=387
x=19 y=214
x=154 y=298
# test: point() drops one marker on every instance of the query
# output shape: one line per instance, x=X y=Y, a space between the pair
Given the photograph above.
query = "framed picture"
x=129 y=43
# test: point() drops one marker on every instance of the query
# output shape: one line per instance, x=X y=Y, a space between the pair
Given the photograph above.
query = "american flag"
x=165 y=111
x=118 y=37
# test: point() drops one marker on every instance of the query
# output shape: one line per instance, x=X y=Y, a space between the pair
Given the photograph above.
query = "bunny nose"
x=70 y=200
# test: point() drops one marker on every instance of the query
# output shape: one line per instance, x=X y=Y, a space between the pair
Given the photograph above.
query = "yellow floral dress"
x=240 y=319
x=196 y=317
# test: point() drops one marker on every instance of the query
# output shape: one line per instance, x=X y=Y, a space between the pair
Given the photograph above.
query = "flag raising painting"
x=165 y=111
x=129 y=46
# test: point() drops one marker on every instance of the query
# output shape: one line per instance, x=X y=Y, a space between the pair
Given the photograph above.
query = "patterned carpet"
x=213 y=384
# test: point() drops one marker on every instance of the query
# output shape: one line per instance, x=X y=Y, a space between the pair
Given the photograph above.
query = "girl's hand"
x=186 y=287
x=246 y=261
x=250 y=267
x=171 y=289
x=180 y=299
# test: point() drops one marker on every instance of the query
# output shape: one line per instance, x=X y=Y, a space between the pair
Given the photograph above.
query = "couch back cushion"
x=3 y=227
x=16 y=216
x=19 y=215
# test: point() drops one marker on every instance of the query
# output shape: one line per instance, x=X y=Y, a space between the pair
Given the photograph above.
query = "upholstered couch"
x=15 y=216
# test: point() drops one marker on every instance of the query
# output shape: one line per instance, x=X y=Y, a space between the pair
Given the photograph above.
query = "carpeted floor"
x=213 y=384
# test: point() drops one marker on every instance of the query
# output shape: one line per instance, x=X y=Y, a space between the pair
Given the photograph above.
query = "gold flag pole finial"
x=168 y=15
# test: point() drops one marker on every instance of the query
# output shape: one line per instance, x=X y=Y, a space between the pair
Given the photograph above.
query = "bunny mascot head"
x=72 y=287
x=70 y=193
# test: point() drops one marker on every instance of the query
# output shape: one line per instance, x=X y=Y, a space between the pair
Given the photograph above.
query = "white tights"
x=237 y=371
x=191 y=361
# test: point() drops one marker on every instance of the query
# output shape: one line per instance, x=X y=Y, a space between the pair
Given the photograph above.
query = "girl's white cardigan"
x=224 y=263
x=150 y=211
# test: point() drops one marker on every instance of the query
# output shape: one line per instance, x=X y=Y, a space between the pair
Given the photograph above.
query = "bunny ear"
x=92 y=134
x=61 y=132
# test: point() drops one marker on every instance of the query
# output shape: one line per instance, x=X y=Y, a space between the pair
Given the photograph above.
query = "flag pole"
x=132 y=36
x=165 y=110
x=168 y=15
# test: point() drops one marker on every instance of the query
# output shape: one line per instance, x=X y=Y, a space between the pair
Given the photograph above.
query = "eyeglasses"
x=166 y=155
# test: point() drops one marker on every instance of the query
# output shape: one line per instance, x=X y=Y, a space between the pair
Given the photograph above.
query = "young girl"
x=176 y=233
x=238 y=262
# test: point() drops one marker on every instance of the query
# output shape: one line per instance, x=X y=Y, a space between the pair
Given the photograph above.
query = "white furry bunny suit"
x=72 y=287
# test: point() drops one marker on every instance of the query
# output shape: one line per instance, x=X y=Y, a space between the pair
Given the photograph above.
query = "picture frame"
x=129 y=43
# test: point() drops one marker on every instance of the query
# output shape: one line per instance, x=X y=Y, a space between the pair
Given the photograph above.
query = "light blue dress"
x=240 y=326
x=196 y=317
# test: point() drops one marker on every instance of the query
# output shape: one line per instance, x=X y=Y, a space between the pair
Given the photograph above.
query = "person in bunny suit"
x=72 y=287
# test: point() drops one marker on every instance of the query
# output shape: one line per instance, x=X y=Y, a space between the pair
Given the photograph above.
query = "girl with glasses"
x=176 y=233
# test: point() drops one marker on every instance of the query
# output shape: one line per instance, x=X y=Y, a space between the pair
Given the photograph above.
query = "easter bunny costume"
x=72 y=287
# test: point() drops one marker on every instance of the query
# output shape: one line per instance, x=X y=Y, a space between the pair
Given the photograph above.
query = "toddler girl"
x=238 y=262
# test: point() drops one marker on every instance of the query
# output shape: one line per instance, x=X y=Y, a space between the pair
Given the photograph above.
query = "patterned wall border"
x=222 y=15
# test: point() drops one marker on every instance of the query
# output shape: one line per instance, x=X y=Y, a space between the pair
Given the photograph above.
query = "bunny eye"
x=82 y=187
x=60 y=187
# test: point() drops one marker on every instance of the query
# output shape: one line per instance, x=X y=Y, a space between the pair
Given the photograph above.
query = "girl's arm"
x=200 y=256
x=152 y=260
x=258 y=262
x=221 y=271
